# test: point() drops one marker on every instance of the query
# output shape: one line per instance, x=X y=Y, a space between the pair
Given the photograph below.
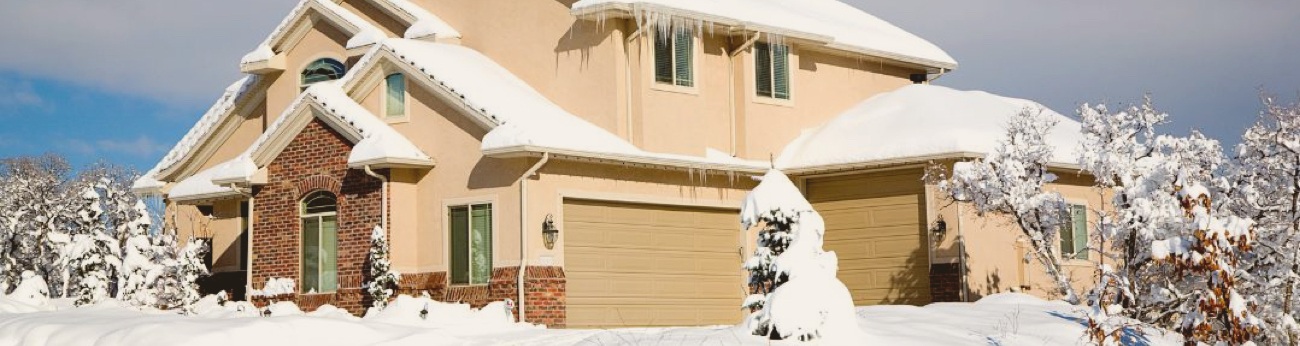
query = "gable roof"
x=201 y=132
x=363 y=33
x=423 y=24
x=828 y=22
x=916 y=123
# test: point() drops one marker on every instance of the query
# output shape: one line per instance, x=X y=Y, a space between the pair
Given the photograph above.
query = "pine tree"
x=796 y=294
x=140 y=269
x=383 y=280
x=94 y=256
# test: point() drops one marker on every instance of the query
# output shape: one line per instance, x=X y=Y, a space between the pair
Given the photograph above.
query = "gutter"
x=523 y=236
x=614 y=158
x=383 y=191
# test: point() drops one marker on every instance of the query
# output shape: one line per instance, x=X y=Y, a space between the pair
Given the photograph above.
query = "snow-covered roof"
x=423 y=23
x=836 y=24
x=199 y=187
x=919 y=121
x=363 y=33
x=199 y=133
x=521 y=119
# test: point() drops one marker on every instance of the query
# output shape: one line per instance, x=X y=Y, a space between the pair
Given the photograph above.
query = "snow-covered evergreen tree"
x=140 y=267
x=30 y=209
x=1010 y=182
x=187 y=268
x=94 y=256
x=798 y=295
x=383 y=280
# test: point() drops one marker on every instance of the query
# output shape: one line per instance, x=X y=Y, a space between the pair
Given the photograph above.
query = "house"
x=585 y=159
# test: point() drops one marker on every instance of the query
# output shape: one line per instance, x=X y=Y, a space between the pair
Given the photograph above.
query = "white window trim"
x=751 y=78
x=383 y=98
x=1071 y=260
x=447 y=204
x=696 y=65
x=301 y=207
x=307 y=62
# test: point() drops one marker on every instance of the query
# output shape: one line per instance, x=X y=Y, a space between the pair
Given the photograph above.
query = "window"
x=319 y=243
x=395 y=99
x=673 y=57
x=772 y=70
x=321 y=70
x=1074 y=233
x=471 y=244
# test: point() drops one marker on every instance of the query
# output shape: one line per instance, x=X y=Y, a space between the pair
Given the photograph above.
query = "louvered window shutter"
x=763 y=69
x=1067 y=235
x=1080 y=221
x=684 y=47
x=781 y=71
x=663 y=58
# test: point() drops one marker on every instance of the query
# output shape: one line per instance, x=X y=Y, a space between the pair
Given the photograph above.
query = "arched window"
x=324 y=69
x=319 y=243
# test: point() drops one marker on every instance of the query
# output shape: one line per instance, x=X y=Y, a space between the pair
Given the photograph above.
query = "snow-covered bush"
x=1010 y=182
x=141 y=269
x=33 y=204
x=1173 y=254
x=383 y=280
x=796 y=292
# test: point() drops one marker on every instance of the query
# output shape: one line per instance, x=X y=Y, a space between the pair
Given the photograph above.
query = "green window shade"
x=396 y=100
x=329 y=244
x=1079 y=221
x=310 y=255
x=481 y=243
x=781 y=72
x=763 y=69
x=459 y=245
x=683 y=49
x=663 y=59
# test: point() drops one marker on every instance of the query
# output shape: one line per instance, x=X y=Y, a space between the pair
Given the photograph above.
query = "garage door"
x=874 y=224
x=651 y=265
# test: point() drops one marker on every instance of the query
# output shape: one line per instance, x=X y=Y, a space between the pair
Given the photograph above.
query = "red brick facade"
x=316 y=160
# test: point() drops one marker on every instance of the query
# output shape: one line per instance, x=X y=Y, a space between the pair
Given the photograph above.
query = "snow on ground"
x=1004 y=319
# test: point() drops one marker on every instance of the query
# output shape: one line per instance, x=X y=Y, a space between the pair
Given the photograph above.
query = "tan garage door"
x=873 y=223
x=651 y=265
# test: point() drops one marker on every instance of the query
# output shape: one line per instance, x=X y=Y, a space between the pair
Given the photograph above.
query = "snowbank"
x=920 y=120
x=839 y=25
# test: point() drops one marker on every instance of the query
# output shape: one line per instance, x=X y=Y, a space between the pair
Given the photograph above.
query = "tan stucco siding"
x=573 y=63
x=375 y=16
x=997 y=250
x=324 y=40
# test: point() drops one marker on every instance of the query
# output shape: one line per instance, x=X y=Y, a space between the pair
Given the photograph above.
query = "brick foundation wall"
x=945 y=282
x=316 y=160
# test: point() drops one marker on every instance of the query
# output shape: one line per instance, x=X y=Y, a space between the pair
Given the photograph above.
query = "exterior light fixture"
x=940 y=226
x=549 y=232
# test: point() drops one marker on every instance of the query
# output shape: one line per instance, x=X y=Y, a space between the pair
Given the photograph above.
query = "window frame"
x=771 y=49
x=492 y=228
x=406 y=97
x=694 y=61
x=1076 y=253
x=303 y=216
x=302 y=82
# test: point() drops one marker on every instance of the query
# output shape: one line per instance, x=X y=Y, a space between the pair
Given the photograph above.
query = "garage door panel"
x=651 y=265
x=874 y=225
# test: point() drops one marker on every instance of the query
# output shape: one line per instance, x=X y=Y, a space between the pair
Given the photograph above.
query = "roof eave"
x=393 y=162
x=871 y=164
x=529 y=151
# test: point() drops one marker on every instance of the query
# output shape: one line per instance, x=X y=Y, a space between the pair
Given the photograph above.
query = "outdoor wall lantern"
x=549 y=232
x=940 y=226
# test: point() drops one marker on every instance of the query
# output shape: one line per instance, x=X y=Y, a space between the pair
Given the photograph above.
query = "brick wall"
x=316 y=160
x=945 y=282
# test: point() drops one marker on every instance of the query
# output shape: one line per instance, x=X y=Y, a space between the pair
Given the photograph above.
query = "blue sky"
x=123 y=80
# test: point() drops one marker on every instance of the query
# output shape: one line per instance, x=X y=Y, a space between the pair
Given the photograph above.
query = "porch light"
x=940 y=226
x=549 y=232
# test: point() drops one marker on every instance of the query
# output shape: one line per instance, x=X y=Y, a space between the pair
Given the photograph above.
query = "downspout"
x=383 y=192
x=523 y=224
x=248 y=257
x=627 y=79
x=961 y=257
x=942 y=71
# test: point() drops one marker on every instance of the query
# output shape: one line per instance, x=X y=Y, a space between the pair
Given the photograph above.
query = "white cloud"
x=19 y=96
x=174 y=51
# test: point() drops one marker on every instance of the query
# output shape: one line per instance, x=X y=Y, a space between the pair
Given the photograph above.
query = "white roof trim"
x=423 y=24
x=363 y=33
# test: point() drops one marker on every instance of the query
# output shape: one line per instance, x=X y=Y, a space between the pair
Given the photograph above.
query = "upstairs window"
x=674 y=53
x=321 y=70
x=1074 y=233
x=395 y=97
x=471 y=244
x=772 y=70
